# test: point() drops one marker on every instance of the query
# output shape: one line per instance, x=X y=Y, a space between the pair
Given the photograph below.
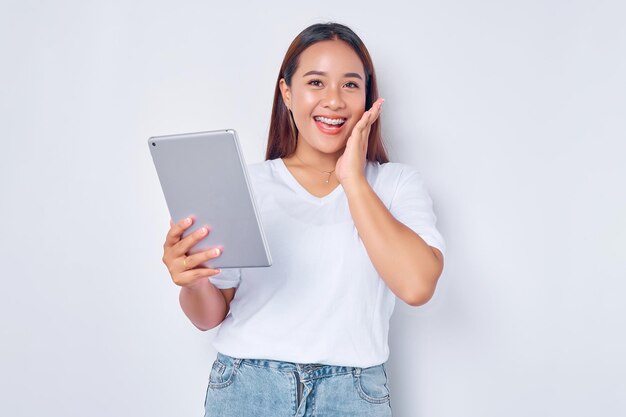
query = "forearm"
x=401 y=257
x=203 y=304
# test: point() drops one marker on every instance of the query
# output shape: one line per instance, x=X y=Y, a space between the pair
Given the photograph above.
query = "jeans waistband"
x=305 y=370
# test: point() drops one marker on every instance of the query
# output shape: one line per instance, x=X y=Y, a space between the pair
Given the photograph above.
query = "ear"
x=285 y=92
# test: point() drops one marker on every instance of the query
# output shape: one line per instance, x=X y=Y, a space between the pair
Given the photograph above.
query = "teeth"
x=330 y=121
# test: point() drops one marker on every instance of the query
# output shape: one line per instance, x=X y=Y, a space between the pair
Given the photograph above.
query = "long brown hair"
x=283 y=131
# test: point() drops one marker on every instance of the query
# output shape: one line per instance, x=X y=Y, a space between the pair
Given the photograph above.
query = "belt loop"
x=357 y=371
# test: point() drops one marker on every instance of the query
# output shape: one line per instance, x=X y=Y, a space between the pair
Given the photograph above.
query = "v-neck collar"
x=296 y=186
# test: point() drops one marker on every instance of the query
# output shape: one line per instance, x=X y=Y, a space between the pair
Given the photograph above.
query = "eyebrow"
x=347 y=74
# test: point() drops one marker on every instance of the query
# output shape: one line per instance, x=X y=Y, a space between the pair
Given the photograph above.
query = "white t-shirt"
x=322 y=300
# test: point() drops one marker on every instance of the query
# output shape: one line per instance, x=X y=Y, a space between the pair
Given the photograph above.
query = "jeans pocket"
x=371 y=384
x=222 y=372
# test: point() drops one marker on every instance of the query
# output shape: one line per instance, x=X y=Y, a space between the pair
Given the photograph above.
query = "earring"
x=292 y=125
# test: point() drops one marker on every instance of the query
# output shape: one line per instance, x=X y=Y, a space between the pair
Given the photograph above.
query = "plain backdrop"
x=513 y=111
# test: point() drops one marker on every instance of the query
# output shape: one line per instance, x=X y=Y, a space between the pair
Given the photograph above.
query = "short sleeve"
x=227 y=278
x=412 y=205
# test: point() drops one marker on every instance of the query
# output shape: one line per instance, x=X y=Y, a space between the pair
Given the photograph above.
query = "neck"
x=314 y=158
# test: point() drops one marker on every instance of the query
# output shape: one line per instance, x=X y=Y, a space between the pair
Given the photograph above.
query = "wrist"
x=355 y=185
x=198 y=286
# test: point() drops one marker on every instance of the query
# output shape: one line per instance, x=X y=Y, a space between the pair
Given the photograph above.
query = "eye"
x=315 y=83
x=351 y=84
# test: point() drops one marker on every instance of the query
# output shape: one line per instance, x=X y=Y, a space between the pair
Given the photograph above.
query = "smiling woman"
x=349 y=233
x=326 y=98
x=353 y=71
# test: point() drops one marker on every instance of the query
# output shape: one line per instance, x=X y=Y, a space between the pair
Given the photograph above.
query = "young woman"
x=349 y=233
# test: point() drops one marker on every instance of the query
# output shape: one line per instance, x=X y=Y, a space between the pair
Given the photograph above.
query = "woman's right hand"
x=185 y=270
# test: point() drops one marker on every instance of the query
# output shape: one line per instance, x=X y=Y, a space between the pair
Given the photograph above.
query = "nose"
x=333 y=99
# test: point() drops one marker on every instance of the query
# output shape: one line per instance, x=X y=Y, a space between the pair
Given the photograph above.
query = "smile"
x=329 y=126
x=329 y=121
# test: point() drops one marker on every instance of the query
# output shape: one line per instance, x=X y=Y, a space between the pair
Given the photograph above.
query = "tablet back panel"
x=204 y=175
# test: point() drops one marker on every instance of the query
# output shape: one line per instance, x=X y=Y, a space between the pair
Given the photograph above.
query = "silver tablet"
x=204 y=175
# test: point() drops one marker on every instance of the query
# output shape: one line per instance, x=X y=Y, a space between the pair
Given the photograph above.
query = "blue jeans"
x=267 y=388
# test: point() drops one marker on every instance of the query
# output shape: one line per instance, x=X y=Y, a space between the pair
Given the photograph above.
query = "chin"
x=328 y=148
x=327 y=144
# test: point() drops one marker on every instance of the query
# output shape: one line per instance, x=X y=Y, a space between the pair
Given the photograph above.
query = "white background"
x=514 y=112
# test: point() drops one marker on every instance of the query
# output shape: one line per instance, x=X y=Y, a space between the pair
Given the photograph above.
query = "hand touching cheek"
x=351 y=165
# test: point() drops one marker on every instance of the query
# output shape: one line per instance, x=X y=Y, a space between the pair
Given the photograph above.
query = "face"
x=326 y=96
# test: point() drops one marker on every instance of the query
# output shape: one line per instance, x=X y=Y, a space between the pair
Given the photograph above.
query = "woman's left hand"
x=351 y=165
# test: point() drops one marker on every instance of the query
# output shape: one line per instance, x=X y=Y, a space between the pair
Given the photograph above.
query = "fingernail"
x=202 y=230
x=188 y=220
x=217 y=252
